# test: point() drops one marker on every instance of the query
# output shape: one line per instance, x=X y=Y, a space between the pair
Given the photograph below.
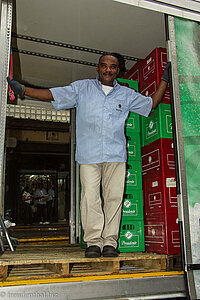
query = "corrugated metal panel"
x=37 y=113
x=189 y=9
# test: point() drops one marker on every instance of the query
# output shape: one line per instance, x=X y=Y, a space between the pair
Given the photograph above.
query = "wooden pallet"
x=54 y=261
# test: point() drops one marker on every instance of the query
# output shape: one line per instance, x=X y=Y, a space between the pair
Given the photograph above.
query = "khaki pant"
x=101 y=219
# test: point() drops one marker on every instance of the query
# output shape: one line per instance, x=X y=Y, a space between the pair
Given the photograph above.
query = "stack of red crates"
x=148 y=73
x=158 y=167
x=160 y=199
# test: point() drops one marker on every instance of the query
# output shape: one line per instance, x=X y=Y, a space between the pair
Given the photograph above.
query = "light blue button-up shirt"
x=100 y=118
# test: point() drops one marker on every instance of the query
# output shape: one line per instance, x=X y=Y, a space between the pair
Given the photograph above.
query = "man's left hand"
x=165 y=76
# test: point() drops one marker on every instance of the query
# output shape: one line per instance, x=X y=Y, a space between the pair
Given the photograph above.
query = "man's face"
x=108 y=69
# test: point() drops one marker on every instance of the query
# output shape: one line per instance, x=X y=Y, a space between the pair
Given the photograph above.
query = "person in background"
x=50 y=204
x=102 y=107
x=27 y=200
x=40 y=198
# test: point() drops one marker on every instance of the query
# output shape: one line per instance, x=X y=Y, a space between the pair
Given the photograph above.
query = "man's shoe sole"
x=92 y=255
x=110 y=255
x=110 y=251
x=93 y=252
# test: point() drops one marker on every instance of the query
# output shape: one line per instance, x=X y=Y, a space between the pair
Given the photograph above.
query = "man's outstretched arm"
x=157 y=97
x=22 y=91
x=40 y=94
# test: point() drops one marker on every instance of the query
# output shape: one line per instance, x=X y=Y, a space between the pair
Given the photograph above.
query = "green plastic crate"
x=157 y=126
x=133 y=176
x=131 y=238
x=133 y=204
x=133 y=146
x=132 y=124
x=133 y=84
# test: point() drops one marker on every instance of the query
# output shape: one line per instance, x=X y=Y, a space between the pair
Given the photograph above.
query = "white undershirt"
x=106 y=88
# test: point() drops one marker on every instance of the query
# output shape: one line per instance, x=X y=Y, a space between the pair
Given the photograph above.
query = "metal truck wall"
x=188 y=57
x=188 y=9
x=5 y=37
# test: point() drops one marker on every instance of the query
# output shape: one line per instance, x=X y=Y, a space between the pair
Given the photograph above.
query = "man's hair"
x=111 y=54
x=120 y=59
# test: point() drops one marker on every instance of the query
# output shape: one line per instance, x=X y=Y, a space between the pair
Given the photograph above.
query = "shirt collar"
x=115 y=83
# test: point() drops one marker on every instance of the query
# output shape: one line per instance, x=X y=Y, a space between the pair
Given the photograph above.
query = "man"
x=26 y=200
x=102 y=107
x=50 y=204
x=40 y=197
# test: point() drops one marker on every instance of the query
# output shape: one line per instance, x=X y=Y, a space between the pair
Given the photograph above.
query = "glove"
x=17 y=88
x=165 y=76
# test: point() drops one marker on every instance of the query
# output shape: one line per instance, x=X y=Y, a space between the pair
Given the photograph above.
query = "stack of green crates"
x=131 y=237
x=157 y=125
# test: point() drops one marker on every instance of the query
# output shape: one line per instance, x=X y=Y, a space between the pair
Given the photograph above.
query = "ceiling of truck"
x=103 y=25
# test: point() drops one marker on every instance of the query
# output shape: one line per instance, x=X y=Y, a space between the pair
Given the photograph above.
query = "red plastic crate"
x=153 y=64
x=162 y=234
x=158 y=159
x=151 y=71
x=135 y=72
x=160 y=195
x=149 y=87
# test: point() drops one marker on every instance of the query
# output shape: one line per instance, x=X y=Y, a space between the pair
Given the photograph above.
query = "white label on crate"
x=129 y=211
x=147 y=93
x=172 y=145
x=128 y=235
x=153 y=232
x=170 y=182
x=151 y=124
x=149 y=60
x=151 y=133
x=154 y=183
x=150 y=159
x=129 y=243
x=130 y=182
x=127 y=203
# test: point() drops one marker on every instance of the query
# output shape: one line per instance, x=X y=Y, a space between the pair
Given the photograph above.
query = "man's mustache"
x=108 y=73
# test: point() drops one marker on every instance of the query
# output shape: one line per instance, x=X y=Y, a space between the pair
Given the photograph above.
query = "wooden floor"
x=54 y=261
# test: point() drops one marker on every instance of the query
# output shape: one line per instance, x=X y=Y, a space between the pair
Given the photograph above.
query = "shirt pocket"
x=119 y=109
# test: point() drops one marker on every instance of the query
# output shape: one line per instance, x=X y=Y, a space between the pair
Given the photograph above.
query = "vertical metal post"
x=77 y=217
x=5 y=38
x=3 y=185
x=182 y=197
x=73 y=178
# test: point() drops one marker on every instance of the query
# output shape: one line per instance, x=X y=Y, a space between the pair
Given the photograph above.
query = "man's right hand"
x=17 y=88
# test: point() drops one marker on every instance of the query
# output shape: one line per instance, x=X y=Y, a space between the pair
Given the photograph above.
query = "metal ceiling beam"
x=65 y=45
x=55 y=57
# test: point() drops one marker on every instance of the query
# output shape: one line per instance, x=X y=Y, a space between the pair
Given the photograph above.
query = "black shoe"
x=110 y=251
x=93 y=252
